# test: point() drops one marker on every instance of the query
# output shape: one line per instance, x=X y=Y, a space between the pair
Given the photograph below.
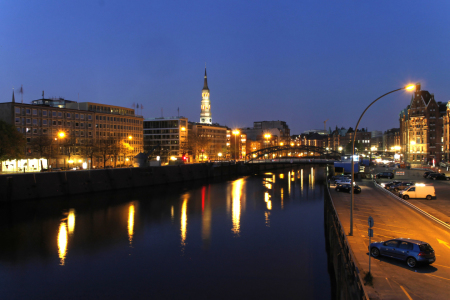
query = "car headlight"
x=383 y=185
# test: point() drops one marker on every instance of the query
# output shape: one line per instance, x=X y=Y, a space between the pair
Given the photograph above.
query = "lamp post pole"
x=409 y=88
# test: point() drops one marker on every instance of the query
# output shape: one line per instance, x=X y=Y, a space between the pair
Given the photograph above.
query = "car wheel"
x=411 y=262
x=406 y=197
x=375 y=252
x=337 y=190
x=448 y=178
x=428 y=197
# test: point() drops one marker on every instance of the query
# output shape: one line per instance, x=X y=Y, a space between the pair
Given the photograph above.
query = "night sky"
x=302 y=62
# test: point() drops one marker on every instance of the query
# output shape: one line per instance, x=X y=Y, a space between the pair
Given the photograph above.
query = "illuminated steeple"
x=205 y=113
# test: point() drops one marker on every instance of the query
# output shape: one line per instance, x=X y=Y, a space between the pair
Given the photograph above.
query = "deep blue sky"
x=298 y=61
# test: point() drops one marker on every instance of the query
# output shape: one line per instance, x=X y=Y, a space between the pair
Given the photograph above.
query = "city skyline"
x=300 y=63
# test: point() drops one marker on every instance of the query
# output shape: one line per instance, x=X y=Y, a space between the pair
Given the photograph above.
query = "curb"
x=413 y=207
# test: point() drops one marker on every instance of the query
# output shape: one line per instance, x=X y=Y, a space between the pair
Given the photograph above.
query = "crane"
x=325 y=125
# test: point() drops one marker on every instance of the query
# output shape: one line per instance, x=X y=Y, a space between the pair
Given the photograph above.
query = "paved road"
x=394 y=279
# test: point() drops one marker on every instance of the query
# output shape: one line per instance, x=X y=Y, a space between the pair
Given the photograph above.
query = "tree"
x=12 y=142
x=43 y=145
x=102 y=147
x=89 y=150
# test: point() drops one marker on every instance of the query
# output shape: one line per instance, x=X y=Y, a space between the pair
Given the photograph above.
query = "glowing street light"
x=235 y=132
x=130 y=137
x=409 y=87
x=62 y=134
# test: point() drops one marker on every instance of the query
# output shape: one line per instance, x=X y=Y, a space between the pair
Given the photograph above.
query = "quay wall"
x=27 y=186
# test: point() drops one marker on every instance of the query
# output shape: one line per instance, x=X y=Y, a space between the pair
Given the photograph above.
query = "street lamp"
x=410 y=87
x=220 y=155
x=267 y=136
x=235 y=132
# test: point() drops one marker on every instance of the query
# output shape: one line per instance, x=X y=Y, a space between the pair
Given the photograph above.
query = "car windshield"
x=425 y=247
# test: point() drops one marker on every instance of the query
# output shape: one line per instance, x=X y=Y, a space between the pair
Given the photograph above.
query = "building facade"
x=422 y=129
x=207 y=142
x=64 y=134
x=166 y=137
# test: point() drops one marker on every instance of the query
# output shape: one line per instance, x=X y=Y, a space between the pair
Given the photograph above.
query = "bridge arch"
x=287 y=151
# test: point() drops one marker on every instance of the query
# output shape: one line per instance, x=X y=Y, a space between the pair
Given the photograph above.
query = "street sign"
x=370 y=220
x=370 y=232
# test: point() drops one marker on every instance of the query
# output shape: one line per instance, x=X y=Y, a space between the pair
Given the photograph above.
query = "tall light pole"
x=409 y=87
x=235 y=132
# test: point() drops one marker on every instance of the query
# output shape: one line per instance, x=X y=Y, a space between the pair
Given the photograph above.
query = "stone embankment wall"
x=348 y=282
x=25 y=186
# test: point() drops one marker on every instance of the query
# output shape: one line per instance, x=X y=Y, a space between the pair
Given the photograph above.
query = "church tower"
x=205 y=114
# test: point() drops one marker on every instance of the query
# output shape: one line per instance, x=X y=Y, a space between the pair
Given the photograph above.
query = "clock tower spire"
x=205 y=113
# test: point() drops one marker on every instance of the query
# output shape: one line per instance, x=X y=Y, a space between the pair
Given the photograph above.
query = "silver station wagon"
x=414 y=252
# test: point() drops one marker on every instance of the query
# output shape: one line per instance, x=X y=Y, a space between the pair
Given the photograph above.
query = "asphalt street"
x=393 y=279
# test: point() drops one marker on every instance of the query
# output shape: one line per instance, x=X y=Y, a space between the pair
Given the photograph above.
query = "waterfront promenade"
x=393 y=279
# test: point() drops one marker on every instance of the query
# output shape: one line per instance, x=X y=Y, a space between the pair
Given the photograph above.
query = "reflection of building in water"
x=183 y=228
x=267 y=217
x=206 y=218
x=236 y=194
x=301 y=179
x=62 y=242
x=267 y=200
x=289 y=184
x=130 y=222
x=71 y=221
x=282 y=198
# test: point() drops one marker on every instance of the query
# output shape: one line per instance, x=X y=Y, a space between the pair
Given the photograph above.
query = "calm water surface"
x=258 y=237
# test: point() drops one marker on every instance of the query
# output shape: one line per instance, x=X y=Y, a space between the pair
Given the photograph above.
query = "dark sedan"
x=402 y=185
x=414 y=252
x=385 y=175
x=390 y=184
x=347 y=188
x=439 y=177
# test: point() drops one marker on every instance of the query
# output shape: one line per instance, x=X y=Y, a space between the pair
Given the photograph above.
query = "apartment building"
x=422 y=130
x=166 y=137
x=207 y=142
x=70 y=133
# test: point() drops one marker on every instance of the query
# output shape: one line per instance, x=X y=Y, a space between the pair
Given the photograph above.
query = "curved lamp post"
x=409 y=87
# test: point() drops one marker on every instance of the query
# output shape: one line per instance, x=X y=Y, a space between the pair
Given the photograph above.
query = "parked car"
x=388 y=175
x=346 y=187
x=425 y=175
x=342 y=180
x=390 y=183
x=439 y=176
x=414 y=252
x=418 y=191
x=402 y=185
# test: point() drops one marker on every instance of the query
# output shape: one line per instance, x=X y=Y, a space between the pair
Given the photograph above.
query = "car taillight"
x=422 y=253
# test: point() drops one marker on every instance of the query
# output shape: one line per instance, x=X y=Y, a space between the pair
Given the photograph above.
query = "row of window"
x=117 y=119
x=29 y=130
x=161 y=137
x=54 y=114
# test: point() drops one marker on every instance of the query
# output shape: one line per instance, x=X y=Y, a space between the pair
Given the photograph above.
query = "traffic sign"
x=370 y=220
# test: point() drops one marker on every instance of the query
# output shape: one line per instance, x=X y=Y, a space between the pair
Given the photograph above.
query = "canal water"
x=256 y=237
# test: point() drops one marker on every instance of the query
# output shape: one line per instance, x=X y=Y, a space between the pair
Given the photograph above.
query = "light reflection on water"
x=268 y=214
x=62 y=242
x=236 y=194
x=183 y=228
x=71 y=221
x=130 y=223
